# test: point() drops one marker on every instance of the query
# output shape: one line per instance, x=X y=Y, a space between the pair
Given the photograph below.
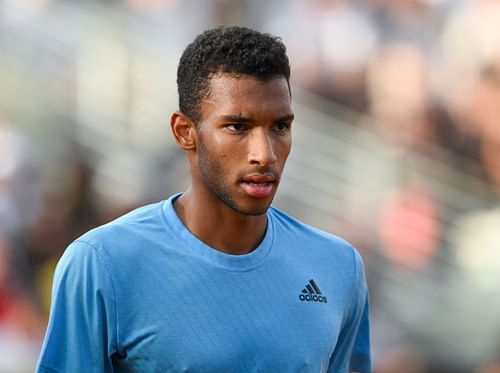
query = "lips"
x=259 y=186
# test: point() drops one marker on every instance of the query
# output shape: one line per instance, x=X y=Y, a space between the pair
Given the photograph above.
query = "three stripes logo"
x=311 y=293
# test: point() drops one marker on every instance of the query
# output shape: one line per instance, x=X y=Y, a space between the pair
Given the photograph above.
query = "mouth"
x=259 y=186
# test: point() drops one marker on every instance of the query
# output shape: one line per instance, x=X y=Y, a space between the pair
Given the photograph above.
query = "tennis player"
x=214 y=279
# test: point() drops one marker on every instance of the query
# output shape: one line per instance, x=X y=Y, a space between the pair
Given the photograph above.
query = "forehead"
x=246 y=95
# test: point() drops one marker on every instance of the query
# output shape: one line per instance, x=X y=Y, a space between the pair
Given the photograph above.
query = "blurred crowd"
x=86 y=89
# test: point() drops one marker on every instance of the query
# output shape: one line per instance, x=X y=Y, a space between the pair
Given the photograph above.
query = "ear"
x=184 y=130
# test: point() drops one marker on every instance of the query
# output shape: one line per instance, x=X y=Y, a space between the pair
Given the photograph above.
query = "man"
x=214 y=279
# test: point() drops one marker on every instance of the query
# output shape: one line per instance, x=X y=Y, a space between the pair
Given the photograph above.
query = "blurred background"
x=396 y=148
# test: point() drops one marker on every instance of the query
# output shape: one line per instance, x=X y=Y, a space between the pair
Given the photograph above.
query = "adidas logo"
x=311 y=293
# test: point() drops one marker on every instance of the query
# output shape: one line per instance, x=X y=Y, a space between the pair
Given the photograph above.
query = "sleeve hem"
x=360 y=363
x=42 y=368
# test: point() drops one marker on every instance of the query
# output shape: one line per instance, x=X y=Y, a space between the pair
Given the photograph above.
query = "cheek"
x=225 y=158
x=282 y=149
x=229 y=152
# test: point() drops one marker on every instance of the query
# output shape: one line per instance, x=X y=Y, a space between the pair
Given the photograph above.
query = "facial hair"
x=215 y=178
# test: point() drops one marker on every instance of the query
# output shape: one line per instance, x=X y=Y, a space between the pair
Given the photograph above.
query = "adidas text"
x=312 y=298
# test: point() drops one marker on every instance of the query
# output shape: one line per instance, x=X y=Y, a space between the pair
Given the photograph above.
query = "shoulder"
x=134 y=226
x=115 y=245
x=296 y=229
x=119 y=239
x=312 y=241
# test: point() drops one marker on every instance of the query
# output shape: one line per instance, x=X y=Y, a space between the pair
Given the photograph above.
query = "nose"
x=261 y=149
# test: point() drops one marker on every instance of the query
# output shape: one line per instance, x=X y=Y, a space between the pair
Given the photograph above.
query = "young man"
x=214 y=279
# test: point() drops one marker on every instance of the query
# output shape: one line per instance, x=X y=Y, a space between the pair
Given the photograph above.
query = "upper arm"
x=352 y=352
x=81 y=334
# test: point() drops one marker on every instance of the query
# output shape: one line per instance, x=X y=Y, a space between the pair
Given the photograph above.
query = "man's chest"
x=203 y=321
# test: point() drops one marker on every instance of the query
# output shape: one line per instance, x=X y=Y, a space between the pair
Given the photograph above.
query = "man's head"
x=235 y=117
x=235 y=50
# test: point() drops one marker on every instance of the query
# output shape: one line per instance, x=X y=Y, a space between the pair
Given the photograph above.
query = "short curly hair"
x=237 y=50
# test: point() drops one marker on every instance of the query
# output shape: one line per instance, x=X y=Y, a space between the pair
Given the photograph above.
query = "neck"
x=218 y=225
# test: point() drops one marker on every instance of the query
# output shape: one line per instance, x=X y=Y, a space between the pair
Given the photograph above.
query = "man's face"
x=244 y=140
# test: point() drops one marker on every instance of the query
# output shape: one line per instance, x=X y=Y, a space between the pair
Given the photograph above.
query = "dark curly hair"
x=237 y=50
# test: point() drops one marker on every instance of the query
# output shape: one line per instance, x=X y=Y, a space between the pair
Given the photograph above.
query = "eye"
x=282 y=127
x=236 y=127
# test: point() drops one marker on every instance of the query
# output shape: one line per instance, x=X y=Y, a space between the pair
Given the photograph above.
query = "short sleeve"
x=352 y=353
x=81 y=333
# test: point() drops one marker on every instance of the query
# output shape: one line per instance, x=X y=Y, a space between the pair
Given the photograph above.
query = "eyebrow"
x=285 y=118
x=240 y=119
x=236 y=118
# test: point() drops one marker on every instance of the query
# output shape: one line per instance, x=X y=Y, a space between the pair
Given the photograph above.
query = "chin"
x=252 y=208
x=255 y=212
x=243 y=203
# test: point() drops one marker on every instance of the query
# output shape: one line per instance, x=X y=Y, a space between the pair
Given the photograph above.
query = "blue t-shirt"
x=143 y=294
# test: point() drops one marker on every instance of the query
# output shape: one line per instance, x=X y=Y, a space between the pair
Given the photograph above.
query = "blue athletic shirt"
x=143 y=294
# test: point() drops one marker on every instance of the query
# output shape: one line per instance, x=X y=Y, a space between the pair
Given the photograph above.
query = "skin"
x=236 y=154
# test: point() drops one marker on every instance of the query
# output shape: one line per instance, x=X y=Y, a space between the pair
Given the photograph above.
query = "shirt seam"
x=108 y=270
x=354 y=285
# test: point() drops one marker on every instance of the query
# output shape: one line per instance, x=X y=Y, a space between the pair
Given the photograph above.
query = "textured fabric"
x=143 y=294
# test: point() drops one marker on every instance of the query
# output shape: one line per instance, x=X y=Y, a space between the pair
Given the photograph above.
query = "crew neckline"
x=188 y=241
